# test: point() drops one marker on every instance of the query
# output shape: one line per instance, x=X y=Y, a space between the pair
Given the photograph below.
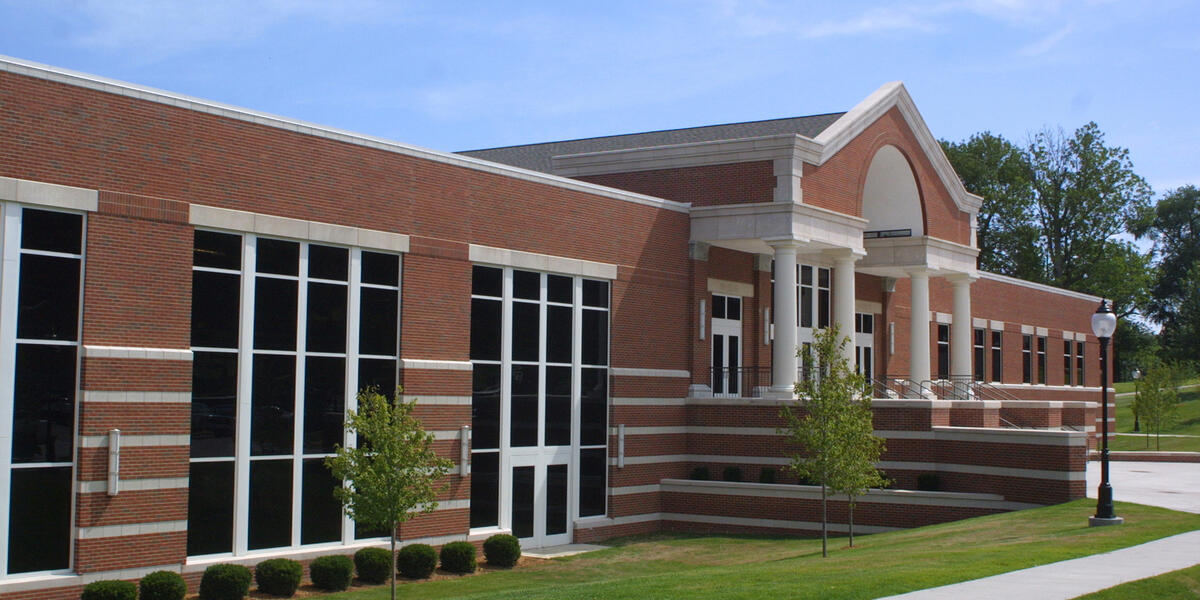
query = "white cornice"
x=121 y=88
x=693 y=154
x=853 y=123
x=1038 y=286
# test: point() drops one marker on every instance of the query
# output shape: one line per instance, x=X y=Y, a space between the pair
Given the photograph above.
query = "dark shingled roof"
x=536 y=157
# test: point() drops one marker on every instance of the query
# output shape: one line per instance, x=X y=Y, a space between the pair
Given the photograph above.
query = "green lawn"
x=700 y=567
x=1187 y=423
x=1183 y=584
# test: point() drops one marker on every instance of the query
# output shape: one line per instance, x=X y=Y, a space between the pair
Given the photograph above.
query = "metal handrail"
x=739 y=382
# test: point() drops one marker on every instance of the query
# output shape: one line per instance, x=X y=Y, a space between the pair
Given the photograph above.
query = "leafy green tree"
x=831 y=425
x=1139 y=348
x=1174 y=226
x=998 y=171
x=393 y=474
x=1157 y=399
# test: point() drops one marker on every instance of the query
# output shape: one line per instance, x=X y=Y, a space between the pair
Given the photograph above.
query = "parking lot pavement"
x=1170 y=485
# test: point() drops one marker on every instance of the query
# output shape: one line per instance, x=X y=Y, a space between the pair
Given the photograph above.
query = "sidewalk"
x=1076 y=577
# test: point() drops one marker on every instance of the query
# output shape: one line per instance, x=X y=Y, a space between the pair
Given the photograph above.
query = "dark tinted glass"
x=806 y=311
x=526 y=332
x=595 y=337
x=485 y=489
x=277 y=256
x=487 y=281
x=595 y=293
x=485 y=329
x=44 y=404
x=326 y=325
x=593 y=471
x=362 y=532
x=328 y=262
x=272 y=405
x=274 y=314
x=734 y=309
x=593 y=416
x=378 y=373
x=527 y=285
x=320 y=512
x=39 y=534
x=556 y=499
x=822 y=308
x=52 y=231
x=381 y=269
x=522 y=499
x=718 y=307
x=485 y=407
x=806 y=275
x=214 y=403
x=823 y=278
x=560 y=289
x=377 y=322
x=48 y=303
x=324 y=402
x=270 y=513
x=215 y=309
x=558 y=406
x=210 y=508
x=558 y=334
x=524 y=414
x=220 y=250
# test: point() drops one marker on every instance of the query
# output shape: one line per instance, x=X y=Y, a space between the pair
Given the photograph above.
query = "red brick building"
x=192 y=293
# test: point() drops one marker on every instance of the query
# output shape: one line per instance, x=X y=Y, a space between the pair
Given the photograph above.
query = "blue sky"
x=463 y=75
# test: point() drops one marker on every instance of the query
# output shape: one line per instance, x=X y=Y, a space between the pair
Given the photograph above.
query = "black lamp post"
x=1104 y=323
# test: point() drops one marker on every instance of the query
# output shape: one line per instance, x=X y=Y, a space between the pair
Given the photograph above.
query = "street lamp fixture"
x=1104 y=323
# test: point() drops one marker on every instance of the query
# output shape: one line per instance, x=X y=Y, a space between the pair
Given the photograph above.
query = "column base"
x=699 y=390
x=774 y=393
x=1101 y=522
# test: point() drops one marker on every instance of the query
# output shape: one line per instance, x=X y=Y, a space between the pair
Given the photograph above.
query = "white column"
x=783 y=353
x=960 y=330
x=918 y=337
x=843 y=300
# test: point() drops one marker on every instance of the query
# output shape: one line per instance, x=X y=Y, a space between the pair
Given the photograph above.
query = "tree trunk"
x=393 y=560
x=851 y=521
x=824 y=519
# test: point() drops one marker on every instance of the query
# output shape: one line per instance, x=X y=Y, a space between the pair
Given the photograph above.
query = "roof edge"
x=112 y=86
x=1038 y=286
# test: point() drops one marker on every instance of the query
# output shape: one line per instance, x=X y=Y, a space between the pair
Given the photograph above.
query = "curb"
x=1174 y=457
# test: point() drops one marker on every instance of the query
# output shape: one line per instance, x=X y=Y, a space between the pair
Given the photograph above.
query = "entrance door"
x=541 y=496
x=726 y=345
x=864 y=344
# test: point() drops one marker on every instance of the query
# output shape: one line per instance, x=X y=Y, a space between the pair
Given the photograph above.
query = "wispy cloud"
x=1048 y=43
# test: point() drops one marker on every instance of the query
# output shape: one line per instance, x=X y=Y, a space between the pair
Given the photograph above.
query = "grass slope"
x=1187 y=423
x=1183 y=584
x=730 y=567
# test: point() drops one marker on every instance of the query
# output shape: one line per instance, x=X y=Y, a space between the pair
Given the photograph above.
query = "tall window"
x=1079 y=362
x=1027 y=358
x=539 y=348
x=943 y=351
x=1041 y=359
x=980 y=354
x=297 y=329
x=812 y=308
x=1068 y=361
x=39 y=358
x=997 y=356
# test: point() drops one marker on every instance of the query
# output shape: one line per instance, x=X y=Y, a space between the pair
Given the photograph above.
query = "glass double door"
x=726 y=345
x=541 y=490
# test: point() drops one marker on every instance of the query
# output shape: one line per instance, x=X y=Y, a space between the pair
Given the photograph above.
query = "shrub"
x=162 y=585
x=278 y=576
x=766 y=476
x=700 y=474
x=732 y=474
x=109 y=590
x=331 y=573
x=458 y=557
x=502 y=550
x=225 y=582
x=929 y=482
x=373 y=565
x=416 y=561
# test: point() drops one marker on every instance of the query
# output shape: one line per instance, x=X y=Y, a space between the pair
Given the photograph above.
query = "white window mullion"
x=576 y=400
x=241 y=487
x=352 y=323
x=298 y=411
x=505 y=476
x=10 y=236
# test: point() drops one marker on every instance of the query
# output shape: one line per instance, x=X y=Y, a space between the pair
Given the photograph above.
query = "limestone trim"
x=435 y=365
x=109 y=531
x=120 y=88
x=632 y=372
x=541 y=262
x=133 y=440
x=693 y=154
x=95 y=396
x=1041 y=287
x=908 y=497
x=131 y=352
x=36 y=193
x=314 y=231
x=730 y=288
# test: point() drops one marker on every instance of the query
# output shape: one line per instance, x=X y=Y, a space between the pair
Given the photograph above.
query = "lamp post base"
x=1101 y=521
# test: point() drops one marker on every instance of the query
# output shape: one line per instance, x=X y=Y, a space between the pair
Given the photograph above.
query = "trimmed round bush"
x=502 y=550
x=700 y=474
x=929 y=482
x=109 y=590
x=416 y=561
x=225 y=582
x=162 y=585
x=373 y=565
x=278 y=576
x=331 y=573
x=766 y=476
x=458 y=557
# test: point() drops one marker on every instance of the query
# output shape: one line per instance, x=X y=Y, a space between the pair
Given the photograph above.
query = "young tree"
x=393 y=472
x=831 y=425
x=1157 y=399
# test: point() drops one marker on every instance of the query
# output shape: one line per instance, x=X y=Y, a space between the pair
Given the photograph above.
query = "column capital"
x=918 y=273
x=785 y=243
x=845 y=254
x=962 y=278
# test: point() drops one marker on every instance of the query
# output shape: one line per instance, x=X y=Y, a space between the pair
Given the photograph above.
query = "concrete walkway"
x=1170 y=485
